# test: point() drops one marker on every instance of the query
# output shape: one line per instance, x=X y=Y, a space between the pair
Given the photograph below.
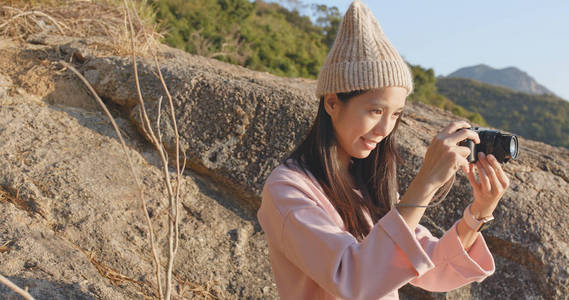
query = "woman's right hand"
x=444 y=156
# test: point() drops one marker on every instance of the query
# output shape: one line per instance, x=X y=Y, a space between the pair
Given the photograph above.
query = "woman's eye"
x=379 y=112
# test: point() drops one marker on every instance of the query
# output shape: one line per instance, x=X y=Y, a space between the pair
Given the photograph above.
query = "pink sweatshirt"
x=314 y=257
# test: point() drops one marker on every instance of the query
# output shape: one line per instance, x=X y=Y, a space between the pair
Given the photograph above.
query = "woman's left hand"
x=490 y=188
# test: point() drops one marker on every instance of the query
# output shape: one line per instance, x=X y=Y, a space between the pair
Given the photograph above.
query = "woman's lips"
x=370 y=145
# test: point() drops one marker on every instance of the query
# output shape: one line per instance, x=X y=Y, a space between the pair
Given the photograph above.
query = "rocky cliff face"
x=73 y=228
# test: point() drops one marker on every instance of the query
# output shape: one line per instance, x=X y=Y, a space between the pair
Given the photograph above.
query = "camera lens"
x=514 y=147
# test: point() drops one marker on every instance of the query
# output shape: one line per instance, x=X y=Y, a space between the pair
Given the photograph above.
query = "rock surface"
x=234 y=123
x=68 y=193
x=72 y=226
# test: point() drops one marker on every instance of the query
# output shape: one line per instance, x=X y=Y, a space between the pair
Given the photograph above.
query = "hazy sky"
x=447 y=35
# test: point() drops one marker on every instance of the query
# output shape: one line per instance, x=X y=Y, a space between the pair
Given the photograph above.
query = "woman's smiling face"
x=363 y=121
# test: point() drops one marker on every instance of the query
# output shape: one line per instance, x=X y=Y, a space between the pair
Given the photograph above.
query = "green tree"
x=258 y=35
x=329 y=20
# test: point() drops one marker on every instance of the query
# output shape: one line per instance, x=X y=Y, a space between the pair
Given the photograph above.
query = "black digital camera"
x=503 y=146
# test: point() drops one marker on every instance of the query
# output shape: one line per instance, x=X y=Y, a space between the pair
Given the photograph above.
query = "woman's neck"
x=344 y=160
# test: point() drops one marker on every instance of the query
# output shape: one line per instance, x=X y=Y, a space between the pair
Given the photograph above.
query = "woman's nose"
x=383 y=127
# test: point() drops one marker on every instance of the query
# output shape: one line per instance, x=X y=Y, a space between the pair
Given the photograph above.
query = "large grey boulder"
x=235 y=124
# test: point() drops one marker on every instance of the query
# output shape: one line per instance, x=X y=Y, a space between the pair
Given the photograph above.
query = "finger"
x=462 y=151
x=461 y=163
x=470 y=175
x=456 y=156
x=454 y=126
x=484 y=180
x=494 y=182
x=462 y=135
x=498 y=168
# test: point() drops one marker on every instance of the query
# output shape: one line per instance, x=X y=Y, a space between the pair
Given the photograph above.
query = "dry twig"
x=131 y=165
x=15 y=288
x=173 y=199
x=5 y=247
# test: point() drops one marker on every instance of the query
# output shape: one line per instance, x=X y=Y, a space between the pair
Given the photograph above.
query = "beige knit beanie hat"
x=362 y=57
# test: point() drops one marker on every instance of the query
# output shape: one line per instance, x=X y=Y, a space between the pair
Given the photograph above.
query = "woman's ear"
x=332 y=104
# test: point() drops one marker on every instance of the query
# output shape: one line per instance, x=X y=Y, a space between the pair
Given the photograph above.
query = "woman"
x=331 y=213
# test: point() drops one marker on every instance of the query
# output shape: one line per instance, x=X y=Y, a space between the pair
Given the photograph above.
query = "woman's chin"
x=362 y=154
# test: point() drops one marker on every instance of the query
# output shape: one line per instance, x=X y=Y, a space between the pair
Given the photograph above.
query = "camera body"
x=503 y=146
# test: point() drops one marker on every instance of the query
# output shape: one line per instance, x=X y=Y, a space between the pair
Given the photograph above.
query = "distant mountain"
x=538 y=117
x=511 y=77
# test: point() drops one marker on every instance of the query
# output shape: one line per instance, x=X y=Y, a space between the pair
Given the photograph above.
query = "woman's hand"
x=491 y=186
x=444 y=156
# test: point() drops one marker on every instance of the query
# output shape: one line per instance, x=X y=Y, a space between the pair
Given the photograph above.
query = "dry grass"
x=5 y=247
x=21 y=204
x=111 y=274
x=5 y=196
x=114 y=276
x=106 y=19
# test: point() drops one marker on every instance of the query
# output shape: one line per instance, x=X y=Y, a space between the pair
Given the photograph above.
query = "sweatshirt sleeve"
x=454 y=266
x=388 y=258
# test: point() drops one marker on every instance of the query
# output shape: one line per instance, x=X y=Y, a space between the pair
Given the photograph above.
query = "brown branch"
x=177 y=136
x=131 y=165
x=176 y=204
x=158 y=119
x=173 y=236
x=172 y=224
x=15 y=288
x=144 y=120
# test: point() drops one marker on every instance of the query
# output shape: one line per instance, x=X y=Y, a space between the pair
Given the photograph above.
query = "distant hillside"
x=539 y=117
x=425 y=90
x=510 y=77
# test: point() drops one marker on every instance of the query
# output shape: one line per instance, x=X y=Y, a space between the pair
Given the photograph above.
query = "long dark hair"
x=375 y=176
